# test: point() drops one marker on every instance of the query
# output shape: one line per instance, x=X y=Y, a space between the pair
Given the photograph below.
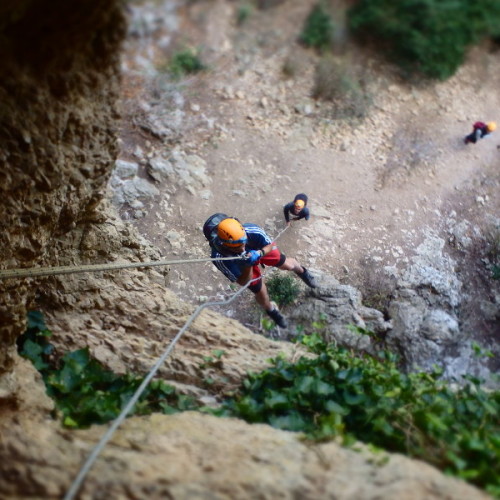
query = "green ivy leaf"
x=276 y=401
x=36 y=321
x=69 y=422
x=393 y=393
x=353 y=398
x=33 y=352
x=305 y=384
x=77 y=360
x=291 y=422
x=322 y=388
x=168 y=409
x=334 y=407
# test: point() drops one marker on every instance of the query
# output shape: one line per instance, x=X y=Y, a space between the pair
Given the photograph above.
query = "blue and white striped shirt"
x=233 y=269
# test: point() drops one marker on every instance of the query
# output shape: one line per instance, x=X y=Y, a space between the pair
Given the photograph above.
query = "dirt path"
x=376 y=187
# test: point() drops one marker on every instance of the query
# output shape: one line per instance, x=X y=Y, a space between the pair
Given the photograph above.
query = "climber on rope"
x=297 y=209
x=228 y=237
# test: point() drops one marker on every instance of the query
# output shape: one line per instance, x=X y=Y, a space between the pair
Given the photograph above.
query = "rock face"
x=190 y=455
x=425 y=311
x=336 y=309
x=58 y=85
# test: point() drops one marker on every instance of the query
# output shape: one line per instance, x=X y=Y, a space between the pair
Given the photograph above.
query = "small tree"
x=337 y=80
x=318 y=28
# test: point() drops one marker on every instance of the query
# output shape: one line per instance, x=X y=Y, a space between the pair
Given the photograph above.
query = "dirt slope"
x=377 y=186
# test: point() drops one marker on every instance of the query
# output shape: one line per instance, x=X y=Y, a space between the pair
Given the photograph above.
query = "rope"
x=84 y=470
x=34 y=272
x=57 y=270
x=281 y=232
x=75 y=486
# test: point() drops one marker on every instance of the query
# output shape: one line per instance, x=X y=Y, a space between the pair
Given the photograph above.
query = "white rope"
x=281 y=232
x=75 y=486
x=34 y=272
x=57 y=270
x=84 y=470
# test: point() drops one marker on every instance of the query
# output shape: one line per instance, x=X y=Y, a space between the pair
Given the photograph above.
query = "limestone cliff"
x=58 y=83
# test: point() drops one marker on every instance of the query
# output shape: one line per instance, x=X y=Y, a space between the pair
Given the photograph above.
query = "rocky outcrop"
x=337 y=312
x=175 y=168
x=425 y=305
x=190 y=455
x=58 y=84
x=425 y=310
x=424 y=325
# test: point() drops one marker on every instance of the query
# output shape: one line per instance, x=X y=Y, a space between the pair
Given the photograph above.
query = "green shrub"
x=83 y=390
x=495 y=272
x=367 y=399
x=243 y=13
x=426 y=36
x=283 y=289
x=336 y=80
x=318 y=28
x=185 y=62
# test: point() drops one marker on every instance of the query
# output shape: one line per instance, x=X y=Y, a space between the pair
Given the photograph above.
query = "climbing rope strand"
x=84 y=470
x=34 y=272
x=281 y=232
x=75 y=486
x=58 y=270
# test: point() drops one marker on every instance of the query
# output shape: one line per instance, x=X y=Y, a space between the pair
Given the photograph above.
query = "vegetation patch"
x=336 y=80
x=318 y=28
x=85 y=392
x=185 y=62
x=425 y=36
x=338 y=394
x=283 y=289
x=243 y=13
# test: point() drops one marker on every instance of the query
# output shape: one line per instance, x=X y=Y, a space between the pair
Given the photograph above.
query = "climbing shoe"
x=277 y=317
x=307 y=278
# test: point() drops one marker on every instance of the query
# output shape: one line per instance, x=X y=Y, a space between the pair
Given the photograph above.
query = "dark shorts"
x=273 y=259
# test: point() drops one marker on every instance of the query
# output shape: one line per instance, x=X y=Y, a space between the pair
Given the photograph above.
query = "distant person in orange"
x=480 y=130
x=296 y=209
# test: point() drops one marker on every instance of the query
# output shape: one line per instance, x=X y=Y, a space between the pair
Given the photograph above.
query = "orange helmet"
x=299 y=204
x=491 y=126
x=231 y=233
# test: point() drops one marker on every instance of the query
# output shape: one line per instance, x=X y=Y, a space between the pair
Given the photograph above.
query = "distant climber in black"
x=296 y=209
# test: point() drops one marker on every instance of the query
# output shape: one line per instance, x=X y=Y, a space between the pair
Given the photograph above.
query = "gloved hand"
x=252 y=257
